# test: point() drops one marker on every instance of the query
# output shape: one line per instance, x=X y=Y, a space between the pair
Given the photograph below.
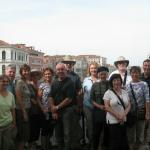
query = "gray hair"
x=11 y=66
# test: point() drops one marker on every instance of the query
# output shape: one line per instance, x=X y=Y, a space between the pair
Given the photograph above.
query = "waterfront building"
x=19 y=54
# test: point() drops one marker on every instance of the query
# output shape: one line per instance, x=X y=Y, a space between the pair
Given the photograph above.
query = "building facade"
x=19 y=54
x=82 y=62
x=35 y=59
x=10 y=54
x=102 y=61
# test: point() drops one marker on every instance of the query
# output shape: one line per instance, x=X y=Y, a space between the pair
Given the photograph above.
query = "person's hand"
x=45 y=110
x=13 y=125
x=55 y=116
x=102 y=107
x=147 y=116
x=54 y=109
x=107 y=108
x=79 y=109
x=25 y=116
x=121 y=117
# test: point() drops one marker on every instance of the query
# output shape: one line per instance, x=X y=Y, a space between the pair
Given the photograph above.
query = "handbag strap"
x=125 y=79
x=133 y=94
x=121 y=101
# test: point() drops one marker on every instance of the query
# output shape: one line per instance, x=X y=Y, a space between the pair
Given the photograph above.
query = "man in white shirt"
x=121 y=65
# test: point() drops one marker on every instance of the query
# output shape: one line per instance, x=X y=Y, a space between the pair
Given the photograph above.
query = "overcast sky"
x=108 y=28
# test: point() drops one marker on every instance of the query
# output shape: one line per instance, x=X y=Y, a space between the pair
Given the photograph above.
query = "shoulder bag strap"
x=121 y=101
x=125 y=79
x=135 y=101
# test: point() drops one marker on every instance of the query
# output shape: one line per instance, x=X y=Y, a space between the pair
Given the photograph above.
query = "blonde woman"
x=87 y=101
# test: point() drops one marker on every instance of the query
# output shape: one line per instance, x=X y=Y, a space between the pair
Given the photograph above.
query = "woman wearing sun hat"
x=121 y=64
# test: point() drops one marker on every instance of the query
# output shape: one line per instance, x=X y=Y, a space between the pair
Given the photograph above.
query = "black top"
x=61 y=90
x=147 y=80
x=97 y=92
x=77 y=84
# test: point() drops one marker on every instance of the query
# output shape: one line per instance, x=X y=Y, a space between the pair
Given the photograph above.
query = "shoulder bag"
x=140 y=111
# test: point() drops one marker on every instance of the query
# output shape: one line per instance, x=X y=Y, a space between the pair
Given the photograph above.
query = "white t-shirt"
x=115 y=104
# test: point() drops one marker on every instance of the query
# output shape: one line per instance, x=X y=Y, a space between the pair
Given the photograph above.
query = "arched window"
x=3 y=55
x=3 y=69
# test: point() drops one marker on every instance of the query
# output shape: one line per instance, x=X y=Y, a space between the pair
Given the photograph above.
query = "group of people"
x=42 y=104
x=117 y=97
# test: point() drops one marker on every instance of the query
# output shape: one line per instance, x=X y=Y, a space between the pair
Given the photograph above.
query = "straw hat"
x=68 y=60
x=121 y=59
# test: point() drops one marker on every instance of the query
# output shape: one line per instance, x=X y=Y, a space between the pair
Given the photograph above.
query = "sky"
x=109 y=28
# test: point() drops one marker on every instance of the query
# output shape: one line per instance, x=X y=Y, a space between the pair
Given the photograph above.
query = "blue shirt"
x=11 y=88
x=87 y=85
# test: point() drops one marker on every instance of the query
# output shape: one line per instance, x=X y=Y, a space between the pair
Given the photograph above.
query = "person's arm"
x=128 y=108
x=80 y=98
x=64 y=103
x=13 y=112
x=110 y=110
x=99 y=106
x=20 y=102
x=55 y=108
x=147 y=107
x=117 y=115
x=40 y=93
x=69 y=93
x=13 y=117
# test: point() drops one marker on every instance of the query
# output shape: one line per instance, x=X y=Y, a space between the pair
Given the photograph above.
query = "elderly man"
x=76 y=131
x=61 y=101
x=121 y=64
x=11 y=73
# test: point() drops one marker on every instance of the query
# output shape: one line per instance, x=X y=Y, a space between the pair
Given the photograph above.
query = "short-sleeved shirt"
x=26 y=95
x=34 y=93
x=76 y=79
x=6 y=105
x=141 y=92
x=77 y=83
x=97 y=92
x=11 y=87
x=87 y=85
x=115 y=104
x=46 y=88
x=61 y=90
